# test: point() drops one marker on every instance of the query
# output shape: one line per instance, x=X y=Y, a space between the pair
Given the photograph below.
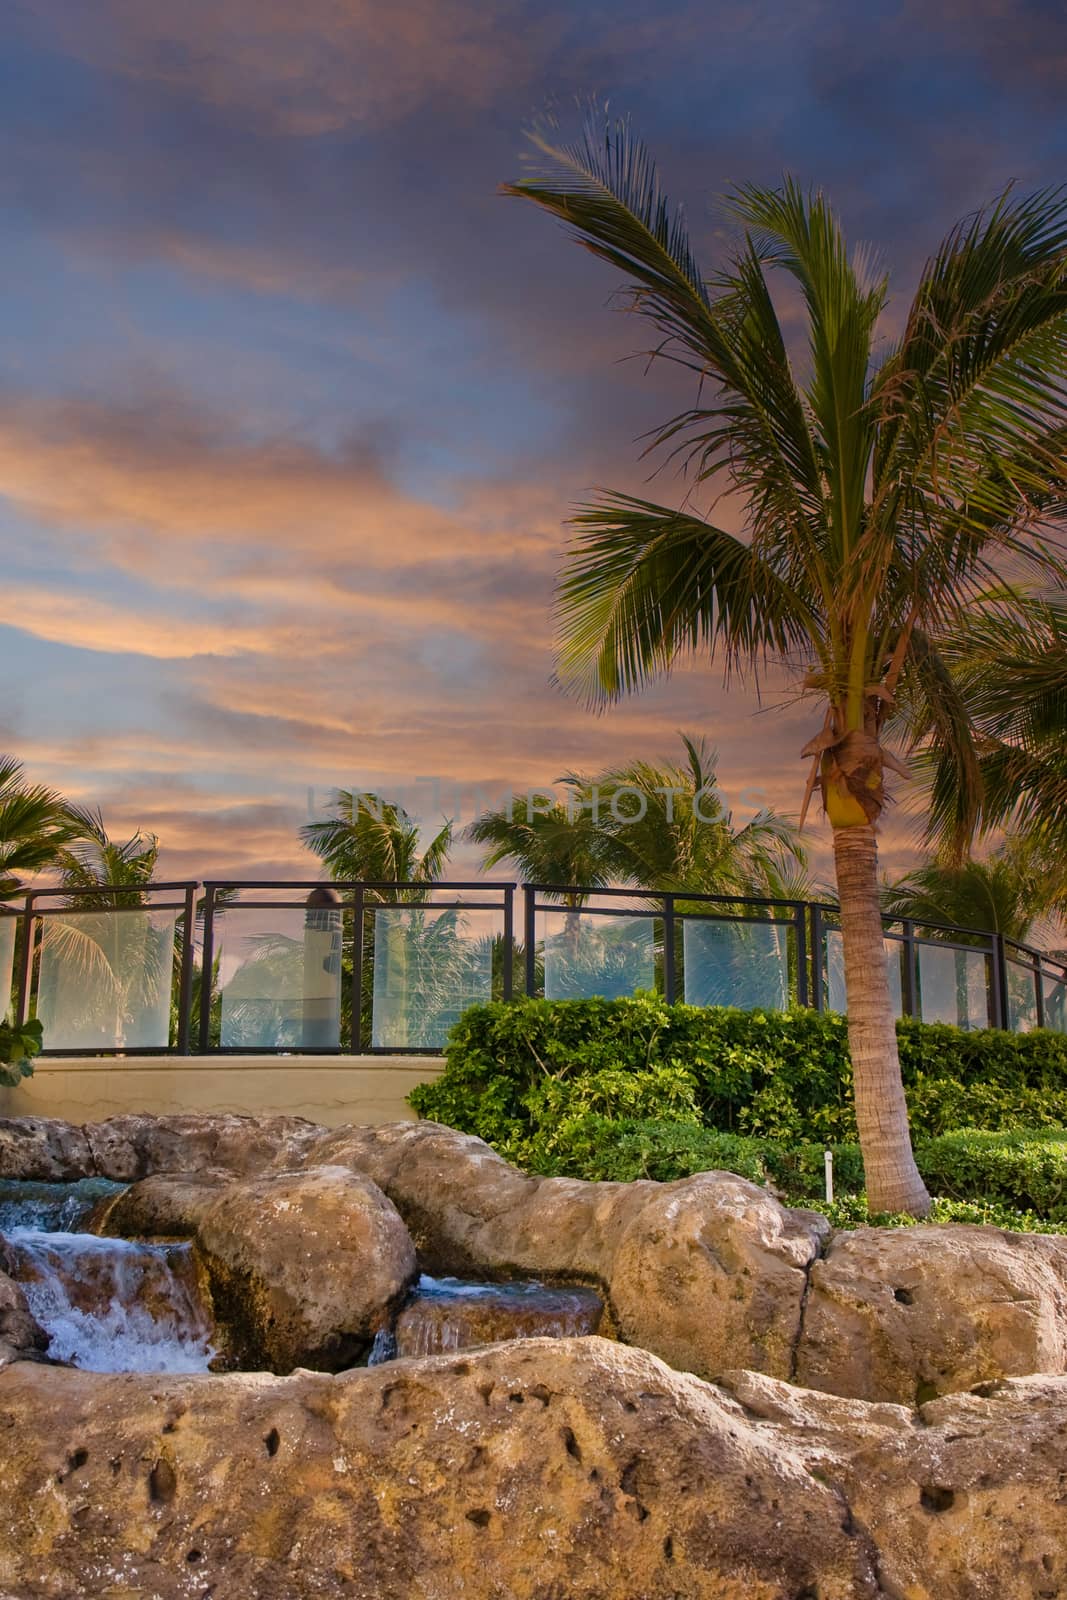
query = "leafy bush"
x=18 y=1046
x=1024 y=1170
x=779 y=1076
x=852 y=1212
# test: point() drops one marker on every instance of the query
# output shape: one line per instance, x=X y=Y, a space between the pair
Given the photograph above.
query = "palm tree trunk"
x=893 y=1181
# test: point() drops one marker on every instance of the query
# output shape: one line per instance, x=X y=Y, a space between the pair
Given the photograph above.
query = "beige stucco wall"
x=325 y=1089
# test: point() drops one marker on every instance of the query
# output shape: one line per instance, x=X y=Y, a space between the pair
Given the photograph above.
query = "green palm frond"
x=645 y=584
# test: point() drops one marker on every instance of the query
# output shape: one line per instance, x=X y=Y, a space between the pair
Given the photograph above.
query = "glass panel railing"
x=1022 y=996
x=1055 y=1001
x=953 y=985
x=835 y=972
x=8 y=925
x=106 y=978
x=597 y=956
x=280 y=978
x=742 y=964
x=428 y=967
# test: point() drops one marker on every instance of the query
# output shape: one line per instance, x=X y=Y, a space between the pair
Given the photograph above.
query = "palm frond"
x=644 y=584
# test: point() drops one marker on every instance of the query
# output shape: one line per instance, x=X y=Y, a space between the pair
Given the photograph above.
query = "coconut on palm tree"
x=883 y=490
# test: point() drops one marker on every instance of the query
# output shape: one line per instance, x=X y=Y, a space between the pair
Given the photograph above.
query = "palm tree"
x=880 y=498
x=1012 y=672
x=112 y=967
x=1008 y=892
x=679 y=834
x=35 y=824
x=368 y=838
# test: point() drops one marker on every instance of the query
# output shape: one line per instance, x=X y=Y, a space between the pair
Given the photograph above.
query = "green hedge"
x=517 y=1071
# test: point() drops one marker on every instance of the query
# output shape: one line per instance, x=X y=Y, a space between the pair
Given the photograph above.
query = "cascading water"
x=108 y=1305
x=451 y=1314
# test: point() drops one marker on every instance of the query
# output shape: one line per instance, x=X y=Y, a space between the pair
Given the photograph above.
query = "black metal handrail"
x=201 y=904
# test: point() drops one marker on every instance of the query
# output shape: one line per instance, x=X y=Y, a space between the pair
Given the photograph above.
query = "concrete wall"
x=325 y=1089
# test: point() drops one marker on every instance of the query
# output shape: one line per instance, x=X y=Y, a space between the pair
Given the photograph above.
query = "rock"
x=712 y=1273
x=905 y=1314
x=166 y=1206
x=21 y=1335
x=131 y=1147
x=304 y=1267
x=449 y=1315
x=709 y=1272
x=962 y=1500
x=546 y=1470
x=43 y=1149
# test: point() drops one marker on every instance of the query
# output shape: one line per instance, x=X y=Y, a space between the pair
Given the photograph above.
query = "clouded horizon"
x=293 y=405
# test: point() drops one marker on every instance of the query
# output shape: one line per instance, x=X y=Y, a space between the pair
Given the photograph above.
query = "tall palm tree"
x=373 y=839
x=35 y=824
x=879 y=497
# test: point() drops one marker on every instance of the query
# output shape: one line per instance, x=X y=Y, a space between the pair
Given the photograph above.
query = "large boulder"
x=573 y=1469
x=304 y=1267
x=905 y=1314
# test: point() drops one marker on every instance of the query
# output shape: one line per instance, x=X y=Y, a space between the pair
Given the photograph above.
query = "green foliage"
x=18 y=1046
x=630 y=1089
x=779 y=1076
x=852 y=1212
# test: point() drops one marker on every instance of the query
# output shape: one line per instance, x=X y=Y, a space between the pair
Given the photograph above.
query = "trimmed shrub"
x=779 y=1076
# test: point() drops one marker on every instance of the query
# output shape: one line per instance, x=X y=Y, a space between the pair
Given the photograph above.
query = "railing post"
x=800 y=923
x=207 y=965
x=22 y=1002
x=185 y=978
x=508 y=975
x=1001 y=1008
x=358 y=900
x=1039 y=990
x=818 y=938
x=908 y=981
x=530 y=925
x=670 y=977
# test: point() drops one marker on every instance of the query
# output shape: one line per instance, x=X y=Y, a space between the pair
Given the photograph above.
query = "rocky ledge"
x=571 y=1468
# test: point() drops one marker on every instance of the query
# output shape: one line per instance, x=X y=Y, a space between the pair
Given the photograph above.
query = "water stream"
x=108 y=1305
x=119 y=1305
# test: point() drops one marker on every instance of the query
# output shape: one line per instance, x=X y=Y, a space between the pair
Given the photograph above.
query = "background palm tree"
x=371 y=838
x=1011 y=891
x=684 y=836
x=35 y=824
x=881 y=499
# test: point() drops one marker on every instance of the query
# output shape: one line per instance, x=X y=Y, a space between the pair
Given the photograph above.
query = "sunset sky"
x=293 y=404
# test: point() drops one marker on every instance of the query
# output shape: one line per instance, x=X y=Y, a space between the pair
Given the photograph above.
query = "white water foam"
x=113 y=1305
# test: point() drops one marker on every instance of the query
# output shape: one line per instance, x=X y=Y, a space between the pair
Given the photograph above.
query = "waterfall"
x=113 y=1305
x=450 y=1314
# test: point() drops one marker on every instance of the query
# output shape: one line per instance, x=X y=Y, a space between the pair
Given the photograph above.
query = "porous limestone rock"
x=43 y=1149
x=709 y=1272
x=164 y=1206
x=304 y=1267
x=550 y=1468
x=21 y=1335
x=130 y=1147
x=541 y=1470
x=905 y=1314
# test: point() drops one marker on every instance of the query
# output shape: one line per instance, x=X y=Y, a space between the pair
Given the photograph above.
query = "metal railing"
x=269 y=966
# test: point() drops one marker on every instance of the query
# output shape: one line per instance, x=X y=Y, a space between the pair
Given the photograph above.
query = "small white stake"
x=828 y=1160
